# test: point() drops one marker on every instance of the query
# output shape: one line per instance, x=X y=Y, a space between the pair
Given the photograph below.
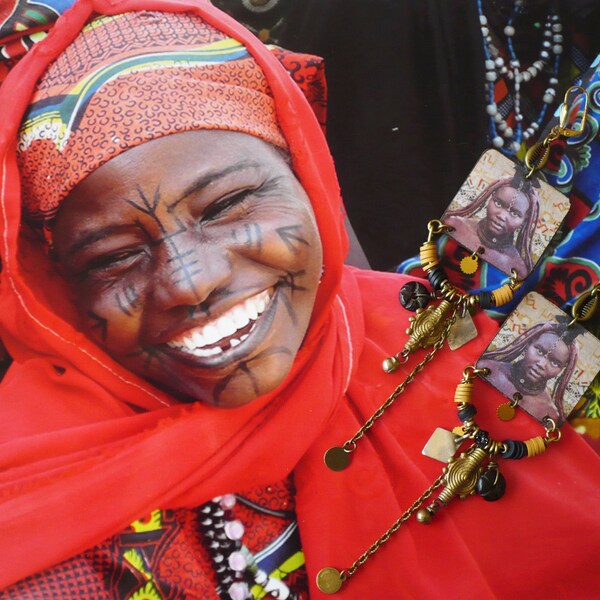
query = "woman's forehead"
x=516 y=197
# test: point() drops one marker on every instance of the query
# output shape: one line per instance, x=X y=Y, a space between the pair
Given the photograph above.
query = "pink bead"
x=238 y=591
x=237 y=561
x=234 y=530
x=227 y=501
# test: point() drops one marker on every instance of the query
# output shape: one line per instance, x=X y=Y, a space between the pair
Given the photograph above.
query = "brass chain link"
x=350 y=445
x=363 y=558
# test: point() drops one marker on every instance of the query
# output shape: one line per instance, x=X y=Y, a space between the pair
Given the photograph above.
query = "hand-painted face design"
x=506 y=212
x=545 y=358
x=194 y=261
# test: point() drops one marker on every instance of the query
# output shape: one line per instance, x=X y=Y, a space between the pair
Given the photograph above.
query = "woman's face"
x=194 y=261
x=545 y=358
x=506 y=211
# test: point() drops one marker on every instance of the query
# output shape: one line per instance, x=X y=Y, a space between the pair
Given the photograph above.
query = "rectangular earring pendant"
x=504 y=217
x=543 y=357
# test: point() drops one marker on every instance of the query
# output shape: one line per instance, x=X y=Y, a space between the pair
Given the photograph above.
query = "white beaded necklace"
x=234 y=564
x=504 y=137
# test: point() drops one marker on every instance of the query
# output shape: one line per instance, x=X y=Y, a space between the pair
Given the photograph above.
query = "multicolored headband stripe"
x=129 y=79
x=56 y=117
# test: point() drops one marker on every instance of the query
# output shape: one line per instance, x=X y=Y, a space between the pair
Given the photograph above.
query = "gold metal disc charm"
x=337 y=458
x=506 y=411
x=469 y=264
x=329 y=580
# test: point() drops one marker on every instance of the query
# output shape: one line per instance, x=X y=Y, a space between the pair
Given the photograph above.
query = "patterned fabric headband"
x=129 y=79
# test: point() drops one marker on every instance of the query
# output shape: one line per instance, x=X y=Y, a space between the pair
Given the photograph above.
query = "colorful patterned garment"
x=573 y=262
x=237 y=97
x=146 y=562
x=24 y=23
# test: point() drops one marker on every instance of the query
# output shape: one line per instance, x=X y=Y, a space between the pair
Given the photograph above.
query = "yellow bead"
x=502 y=295
x=463 y=393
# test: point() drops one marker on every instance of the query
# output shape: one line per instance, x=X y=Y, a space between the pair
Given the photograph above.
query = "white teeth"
x=198 y=339
x=260 y=305
x=211 y=334
x=240 y=318
x=251 y=310
x=224 y=326
x=204 y=352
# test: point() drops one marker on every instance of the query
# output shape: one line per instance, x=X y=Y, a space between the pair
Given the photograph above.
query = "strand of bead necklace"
x=234 y=564
x=506 y=138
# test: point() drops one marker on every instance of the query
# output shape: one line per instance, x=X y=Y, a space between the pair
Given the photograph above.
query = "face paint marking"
x=181 y=255
x=288 y=306
x=290 y=238
x=150 y=354
x=129 y=301
x=253 y=236
x=150 y=209
x=100 y=323
x=243 y=367
x=289 y=281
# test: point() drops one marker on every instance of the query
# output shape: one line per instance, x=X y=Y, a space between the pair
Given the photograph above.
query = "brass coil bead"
x=502 y=295
x=464 y=392
x=535 y=446
x=428 y=256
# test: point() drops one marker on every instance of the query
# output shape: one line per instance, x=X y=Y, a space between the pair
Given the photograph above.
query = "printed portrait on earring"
x=541 y=360
x=503 y=216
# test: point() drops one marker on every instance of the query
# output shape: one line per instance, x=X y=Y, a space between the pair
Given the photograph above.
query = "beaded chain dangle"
x=234 y=564
x=474 y=471
x=506 y=138
x=429 y=328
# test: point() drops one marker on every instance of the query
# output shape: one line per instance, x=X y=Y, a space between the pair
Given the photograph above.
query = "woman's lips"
x=534 y=374
x=227 y=331
x=497 y=227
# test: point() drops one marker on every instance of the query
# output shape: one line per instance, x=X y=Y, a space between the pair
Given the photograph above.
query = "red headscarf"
x=87 y=447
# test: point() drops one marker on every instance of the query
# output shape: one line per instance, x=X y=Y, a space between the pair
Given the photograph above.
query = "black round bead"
x=437 y=276
x=467 y=413
x=491 y=485
x=514 y=449
x=485 y=299
x=482 y=438
x=414 y=295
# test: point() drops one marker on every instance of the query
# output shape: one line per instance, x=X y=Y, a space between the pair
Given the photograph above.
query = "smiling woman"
x=188 y=343
x=205 y=282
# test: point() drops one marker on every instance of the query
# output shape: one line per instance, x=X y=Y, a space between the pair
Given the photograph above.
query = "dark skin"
x=544 y=359
x=194 y=261
x=505 y=213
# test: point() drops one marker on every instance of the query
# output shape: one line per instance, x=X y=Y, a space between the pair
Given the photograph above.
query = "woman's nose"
x=188 y=275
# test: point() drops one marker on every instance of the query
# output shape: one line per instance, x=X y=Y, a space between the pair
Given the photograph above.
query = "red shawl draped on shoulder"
x=86 y=447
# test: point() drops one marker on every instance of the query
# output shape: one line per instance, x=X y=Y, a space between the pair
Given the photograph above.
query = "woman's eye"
x=116 y=260
x=221 y=206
